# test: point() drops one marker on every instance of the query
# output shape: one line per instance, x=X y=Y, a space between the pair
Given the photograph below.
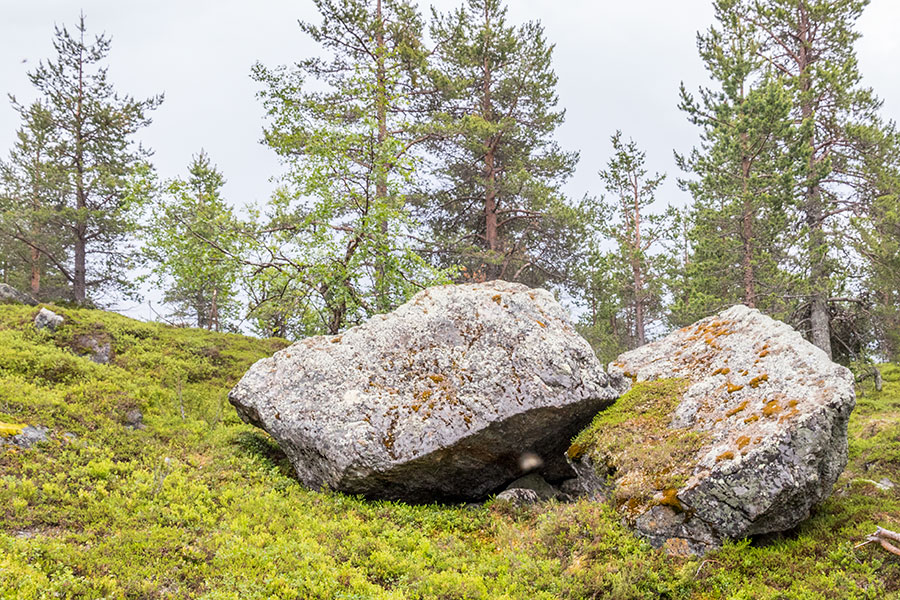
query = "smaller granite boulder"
x=735 y=426
x=47 y=319
x=10 y=295
x=96 y=346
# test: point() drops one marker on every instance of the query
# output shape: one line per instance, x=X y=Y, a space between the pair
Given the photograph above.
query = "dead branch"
x=884 y=537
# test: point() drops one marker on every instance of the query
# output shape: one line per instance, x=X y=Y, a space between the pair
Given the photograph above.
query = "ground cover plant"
x=189 y=502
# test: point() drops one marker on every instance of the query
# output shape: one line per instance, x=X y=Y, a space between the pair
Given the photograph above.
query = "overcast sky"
x=619 y=64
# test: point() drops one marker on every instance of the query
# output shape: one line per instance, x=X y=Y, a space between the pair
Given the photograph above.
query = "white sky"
x=619 y=64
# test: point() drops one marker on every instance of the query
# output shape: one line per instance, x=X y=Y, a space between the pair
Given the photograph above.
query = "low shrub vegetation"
x=192 y=503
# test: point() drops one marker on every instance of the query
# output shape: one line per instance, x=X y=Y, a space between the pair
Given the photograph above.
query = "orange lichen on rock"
x=722 y=371
x=751 y=419
x=793 y=412
x=754 y=383
x=771 y=408
x=670 y=498
x=742 y=442
x=736 y=409
x=732 y=388
x=725 y=456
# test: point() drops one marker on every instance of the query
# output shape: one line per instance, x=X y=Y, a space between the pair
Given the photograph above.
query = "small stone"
x=537 y=484
x=97 y=346
x=134 y=419
x=27 y=437
x=519 y=496
x=572 y=488
x=47 y=319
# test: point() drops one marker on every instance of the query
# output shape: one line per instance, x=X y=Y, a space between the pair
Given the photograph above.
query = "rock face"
x=745 y=430
x=437 y=400
x=23 y=436
x=47 y=319
x=9 y=294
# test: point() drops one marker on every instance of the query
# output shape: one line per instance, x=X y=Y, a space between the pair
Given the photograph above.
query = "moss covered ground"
x=197 y=504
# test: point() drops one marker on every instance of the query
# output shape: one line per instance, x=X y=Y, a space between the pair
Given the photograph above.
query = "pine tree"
x=498 y=210
x=347 y=125
x=93 y=129
x=192 y=250
x=877 y=240
x=743 y=174
x=809 y=44
x=635 y=269
x=32 y=192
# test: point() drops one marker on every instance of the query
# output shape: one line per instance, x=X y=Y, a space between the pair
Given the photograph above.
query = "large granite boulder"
x=10 y=295
x=437 y=400
x=735 y=426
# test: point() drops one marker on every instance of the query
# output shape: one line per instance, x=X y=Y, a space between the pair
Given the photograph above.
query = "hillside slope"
x=195 y=504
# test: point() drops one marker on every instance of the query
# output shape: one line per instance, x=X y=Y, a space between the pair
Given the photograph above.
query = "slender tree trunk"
x=214 y=310
x=491 y=233
x=820 y=321
x=79 y=285
x=637 y=269
x=35 y=256
x=35 y=273
x=747 y=234
x=382 y=295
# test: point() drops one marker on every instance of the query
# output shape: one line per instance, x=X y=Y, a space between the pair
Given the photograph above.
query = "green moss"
x=10 y=429
x=632 y=443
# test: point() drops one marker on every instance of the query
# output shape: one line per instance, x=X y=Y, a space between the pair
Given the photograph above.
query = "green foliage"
x=810 y=46
x=192 y=250
x=497 y=208
x=31 y=191
x=346 y=125
x=877 y=239
x=205 y=506
x=624 y=286
x=93 y=161
x=743 y=176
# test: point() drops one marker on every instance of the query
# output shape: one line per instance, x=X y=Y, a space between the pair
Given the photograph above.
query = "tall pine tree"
x=192 y=250
x=32 y=192
x=93 y=130
x=635 y=267
x=743 y=173
x=809 y=44
x=498 y=210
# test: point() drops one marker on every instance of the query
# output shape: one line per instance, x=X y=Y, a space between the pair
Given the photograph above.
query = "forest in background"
x=419 y=149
